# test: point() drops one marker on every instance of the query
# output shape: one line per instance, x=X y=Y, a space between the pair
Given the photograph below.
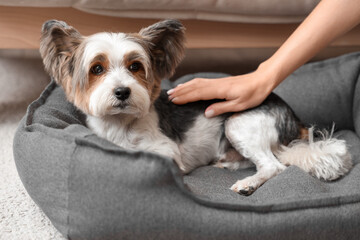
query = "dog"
x=114 y=78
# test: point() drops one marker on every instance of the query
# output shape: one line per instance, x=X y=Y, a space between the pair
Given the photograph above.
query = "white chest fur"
x=130 y=133
x=201 y=143
x=135 y=133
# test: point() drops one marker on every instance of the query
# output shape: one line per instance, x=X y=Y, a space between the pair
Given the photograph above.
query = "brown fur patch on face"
x=153 y=81
x=141 y=74
x=71 y=80
x=82 y=94
x=144 y=74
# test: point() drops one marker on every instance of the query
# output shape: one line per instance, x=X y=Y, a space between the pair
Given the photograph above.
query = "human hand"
x=239 y=92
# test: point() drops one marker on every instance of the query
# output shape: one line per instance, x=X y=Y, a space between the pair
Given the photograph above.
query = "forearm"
x=330 y=19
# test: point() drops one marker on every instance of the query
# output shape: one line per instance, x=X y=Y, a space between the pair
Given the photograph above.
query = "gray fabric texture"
x=92 y=189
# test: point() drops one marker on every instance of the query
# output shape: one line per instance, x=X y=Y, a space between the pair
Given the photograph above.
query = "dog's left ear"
x=167 y=45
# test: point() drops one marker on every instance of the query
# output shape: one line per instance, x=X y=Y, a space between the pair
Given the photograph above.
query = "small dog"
x=114 y=78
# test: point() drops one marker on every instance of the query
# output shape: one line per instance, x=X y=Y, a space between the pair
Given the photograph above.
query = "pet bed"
x=92 y=189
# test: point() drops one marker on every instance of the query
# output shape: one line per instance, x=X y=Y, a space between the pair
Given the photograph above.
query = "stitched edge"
x=39 y=102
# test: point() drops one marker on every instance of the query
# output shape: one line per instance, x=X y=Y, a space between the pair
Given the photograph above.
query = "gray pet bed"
x=91 y=189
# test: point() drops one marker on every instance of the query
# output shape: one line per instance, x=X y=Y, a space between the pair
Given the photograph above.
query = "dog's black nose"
x=122 y=93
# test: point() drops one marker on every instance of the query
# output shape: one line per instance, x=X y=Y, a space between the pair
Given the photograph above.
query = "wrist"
x=271 y=74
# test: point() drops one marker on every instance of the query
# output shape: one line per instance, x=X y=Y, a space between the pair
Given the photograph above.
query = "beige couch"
x=243 y=32
x=210 y=24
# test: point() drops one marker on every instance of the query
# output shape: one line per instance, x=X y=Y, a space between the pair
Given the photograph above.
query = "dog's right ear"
x=57 y=47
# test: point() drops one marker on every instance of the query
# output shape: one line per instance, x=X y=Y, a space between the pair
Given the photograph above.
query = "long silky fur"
x=58 y=46
x=166 y=42
x=325 y=158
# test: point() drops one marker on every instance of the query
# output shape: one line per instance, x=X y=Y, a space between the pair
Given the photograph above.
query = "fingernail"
x=180 y=84
x=173 y=99
x=209 y=113
x=171 y=91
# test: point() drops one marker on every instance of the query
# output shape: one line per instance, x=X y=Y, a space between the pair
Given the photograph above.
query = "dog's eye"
x=135 y=66
x=97 y=69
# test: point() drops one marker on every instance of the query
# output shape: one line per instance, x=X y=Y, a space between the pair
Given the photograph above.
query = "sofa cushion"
x=255 y=11
x=326 y=92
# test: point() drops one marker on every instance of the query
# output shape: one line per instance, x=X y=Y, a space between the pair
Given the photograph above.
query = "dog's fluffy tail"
x=325 y=158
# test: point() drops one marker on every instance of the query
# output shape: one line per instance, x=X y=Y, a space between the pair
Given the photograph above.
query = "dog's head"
x=112 y=73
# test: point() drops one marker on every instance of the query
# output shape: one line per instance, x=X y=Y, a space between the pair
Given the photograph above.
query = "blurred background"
x=230 y=36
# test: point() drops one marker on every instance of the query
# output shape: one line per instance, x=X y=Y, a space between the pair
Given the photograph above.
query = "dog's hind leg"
x=253 y=134
x=232 y=160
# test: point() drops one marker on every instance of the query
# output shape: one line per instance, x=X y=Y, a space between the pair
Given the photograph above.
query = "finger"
x=223 y=107
x=195 y=95
x=197 y=92
x=185 y=84
x=186 y=98
x=185 y=88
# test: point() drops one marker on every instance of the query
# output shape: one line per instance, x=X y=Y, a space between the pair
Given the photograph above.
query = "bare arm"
x=330 y=19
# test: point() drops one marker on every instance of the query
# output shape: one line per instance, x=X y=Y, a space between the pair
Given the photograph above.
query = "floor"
x=21 y=82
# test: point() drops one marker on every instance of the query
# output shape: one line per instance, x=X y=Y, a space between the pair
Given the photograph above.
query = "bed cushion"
x=92 y=189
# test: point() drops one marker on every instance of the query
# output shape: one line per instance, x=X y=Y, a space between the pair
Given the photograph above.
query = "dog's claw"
x=246 y=191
